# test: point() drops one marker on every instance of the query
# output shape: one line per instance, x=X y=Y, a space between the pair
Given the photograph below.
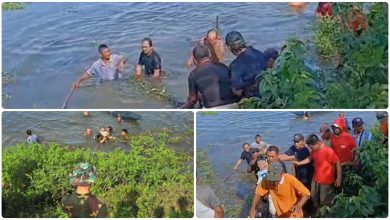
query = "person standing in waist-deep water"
x=214 y=42
x=82 y=203
x=108 y=67
x=149 y=59
x=32 y=138
x=211 y=81
x=249 y=63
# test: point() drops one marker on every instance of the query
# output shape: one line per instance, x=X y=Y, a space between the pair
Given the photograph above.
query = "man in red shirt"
x=342 y=142
x=325 y=161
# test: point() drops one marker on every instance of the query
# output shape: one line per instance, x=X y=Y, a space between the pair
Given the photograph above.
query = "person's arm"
x=302 y=192
x=218 y=212
x=138 y=67
x=237 y=82
x=239 y=161
x=192 y=92
x=83 y=77
x=302 y=162
x=285 y=157
x=190 y=61
x=121 y=63
x=156 y=73
x=301 y=202
x=259 y=192
x=262 y=164
x=156 y=65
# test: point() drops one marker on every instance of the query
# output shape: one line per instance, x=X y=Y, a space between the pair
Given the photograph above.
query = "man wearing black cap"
x=248 y=64
x=211 y=81
x=299 y=152
x=359 y=134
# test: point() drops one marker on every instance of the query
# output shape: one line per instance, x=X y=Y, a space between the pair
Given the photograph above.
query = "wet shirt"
x=360 y=139
x=150 y=62
x=212 y=81
x=285 y=195
x=304 y=173
x=324 y=161
x=83 y=206
x=244 y=70
x=248 y=155
x=260 y=145
x=105 y=71
x=32 y=139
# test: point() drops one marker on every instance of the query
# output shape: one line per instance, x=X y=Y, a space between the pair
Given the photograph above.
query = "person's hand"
x=190 y=62
x=252 y=213
x=76 y=84
x=295 y=162
x=156 y=75
x=297 y=208
x=235 y=168
x=338 y=182
x=121 y=67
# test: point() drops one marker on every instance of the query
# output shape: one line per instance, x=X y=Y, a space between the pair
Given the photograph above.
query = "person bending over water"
x=108 y=67
x=149 y=59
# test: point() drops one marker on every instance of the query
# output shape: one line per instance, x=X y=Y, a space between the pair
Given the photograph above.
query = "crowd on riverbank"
x=315 y=176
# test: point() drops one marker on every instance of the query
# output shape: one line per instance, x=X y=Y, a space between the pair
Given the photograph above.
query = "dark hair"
x=273 y=148
x=125 y=130
x=102 y=47
x=29 y=132
x=99 y=136
x=312 y=139
x=257 y=135
x=148 y=40
x=200 y=52
x=110 y=129
x=245 y=144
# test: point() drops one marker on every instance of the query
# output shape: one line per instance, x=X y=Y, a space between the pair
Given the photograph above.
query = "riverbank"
x=151 y=180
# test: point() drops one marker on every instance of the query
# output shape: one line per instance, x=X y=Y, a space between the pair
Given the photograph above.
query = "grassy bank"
x=149 y=181
x=13 y=5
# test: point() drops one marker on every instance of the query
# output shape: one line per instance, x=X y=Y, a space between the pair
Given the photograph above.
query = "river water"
x=222 y=135
x=48 y=45
x=69 y=127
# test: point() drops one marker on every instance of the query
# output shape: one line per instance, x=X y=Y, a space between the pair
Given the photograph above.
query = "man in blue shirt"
x=248 y=64
x=359 y=133
x=299 y=152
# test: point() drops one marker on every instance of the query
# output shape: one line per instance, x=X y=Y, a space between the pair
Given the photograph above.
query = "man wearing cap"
x=343 y=143
x=299 y=152
x=383 y=119
x=359 y=133
x=287 y=192
x=210 y=80
x=248 y=64
x=81 y=203
x=326 y=134
x=325 y=161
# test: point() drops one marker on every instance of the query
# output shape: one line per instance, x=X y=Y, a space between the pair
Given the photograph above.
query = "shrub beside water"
x=150 y=180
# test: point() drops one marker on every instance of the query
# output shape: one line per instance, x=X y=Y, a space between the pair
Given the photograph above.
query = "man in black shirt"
x=211 y=81
x=149 y=59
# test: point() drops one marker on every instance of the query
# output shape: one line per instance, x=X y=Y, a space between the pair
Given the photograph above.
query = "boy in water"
x=32 y=138
x=124 y=133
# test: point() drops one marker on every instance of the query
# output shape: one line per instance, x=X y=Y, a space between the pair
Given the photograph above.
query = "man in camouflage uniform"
x=81 y=203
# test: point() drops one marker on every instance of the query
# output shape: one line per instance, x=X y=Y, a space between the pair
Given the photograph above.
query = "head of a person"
x=235 y=42
x=336 y=129
x=200 y=53
x=102 y=129
x=382 y=116
x=314 y=142
x=272 y=153
x=124 y=132
x=88 y=131
x=104 y=51
x=357 y=124
x=258 y=138
x=255 y=154
x=270 y=55
x=147 y=45
x=85 y=114
x=110 y=129
x=299 y=141
x=325 y=131
x=246 y=147
x=274 y=173
x=99 y=137
x=341 y=115
x=83 y=174
x=28 y=132
x=212 y=35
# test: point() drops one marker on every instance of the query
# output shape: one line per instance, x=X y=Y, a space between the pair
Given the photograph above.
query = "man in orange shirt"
x=288 y=193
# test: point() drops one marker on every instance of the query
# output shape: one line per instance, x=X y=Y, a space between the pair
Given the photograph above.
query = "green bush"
x=364 y=191
x=327 y=37
x=150 y=180
x=13 y=5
